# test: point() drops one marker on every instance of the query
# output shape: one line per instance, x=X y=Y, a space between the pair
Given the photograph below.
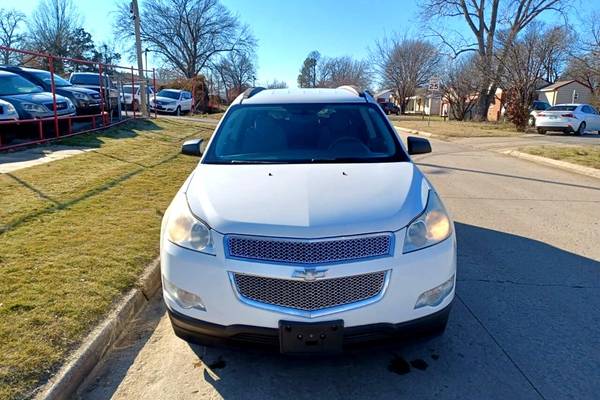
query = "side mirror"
x=192 y=147
x=417 y=145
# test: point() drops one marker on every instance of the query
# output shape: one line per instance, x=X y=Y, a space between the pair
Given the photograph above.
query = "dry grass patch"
x=588 y=156
x=83 y=230
x=440 y=127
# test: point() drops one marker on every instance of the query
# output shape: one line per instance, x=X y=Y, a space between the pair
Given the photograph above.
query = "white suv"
x=307 y=226
x=172 y=101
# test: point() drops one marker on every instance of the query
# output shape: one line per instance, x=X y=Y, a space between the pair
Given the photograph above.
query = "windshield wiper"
x=255 y=162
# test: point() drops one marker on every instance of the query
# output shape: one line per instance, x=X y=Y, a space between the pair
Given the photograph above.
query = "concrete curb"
x=66 y=381
x=420 y=133
x=579 y=169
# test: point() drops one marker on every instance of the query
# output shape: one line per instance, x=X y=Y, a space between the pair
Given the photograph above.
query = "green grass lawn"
x=76 y=234
x=454 y=128
x=588 y=156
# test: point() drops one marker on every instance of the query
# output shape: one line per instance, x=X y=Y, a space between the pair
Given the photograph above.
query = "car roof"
x=571 y=104
x=174 y=90
x=287 y=96
x=6 y=73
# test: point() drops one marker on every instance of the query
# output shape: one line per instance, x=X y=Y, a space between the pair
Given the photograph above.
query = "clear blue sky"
x=287 y=30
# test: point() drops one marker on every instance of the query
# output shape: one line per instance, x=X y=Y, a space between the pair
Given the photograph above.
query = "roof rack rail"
x=355 y=90
x=252 y=91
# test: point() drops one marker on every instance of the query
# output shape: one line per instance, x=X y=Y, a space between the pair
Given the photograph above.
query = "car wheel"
x=178 y=111
x=531 y=121
x=541 y=131
x=581 y=129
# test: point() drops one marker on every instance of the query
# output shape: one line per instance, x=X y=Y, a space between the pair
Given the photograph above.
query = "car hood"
x=37 y=98
x=78 y=89
x=308 y=201
x=164 y=99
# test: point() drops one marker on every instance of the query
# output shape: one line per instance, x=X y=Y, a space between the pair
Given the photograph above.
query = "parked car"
x=568 y=118
x=307 y=225
x=172 y=101
x=86 y=101
x=536 y=107
x=8 y=112
x=29 y=100
x=91 y=80
x=390 y=108
x=133 y=101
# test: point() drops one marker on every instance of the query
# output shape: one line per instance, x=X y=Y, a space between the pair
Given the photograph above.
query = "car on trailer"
x=173 y=101
x=86 y=101
x=30 y=100
x=131 y=96
x=108 y=90
x=306 y=225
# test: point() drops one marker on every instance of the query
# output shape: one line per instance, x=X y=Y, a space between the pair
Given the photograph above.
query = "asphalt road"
x=524 y=326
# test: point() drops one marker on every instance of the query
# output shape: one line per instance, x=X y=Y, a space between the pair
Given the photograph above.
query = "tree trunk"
x=482 y=106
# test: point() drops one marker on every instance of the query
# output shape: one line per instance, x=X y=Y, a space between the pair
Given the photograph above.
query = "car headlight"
x=429 y=228
x=10 y=109
x=81 y=96
x=70 y=104
x=185 y=230
x=36 y=108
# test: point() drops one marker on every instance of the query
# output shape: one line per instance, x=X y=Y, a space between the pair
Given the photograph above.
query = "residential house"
x=424 y=103
x=561 y=92
x=387 y=96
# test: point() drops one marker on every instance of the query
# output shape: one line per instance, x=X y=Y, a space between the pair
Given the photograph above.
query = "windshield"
x=45 y=76
x=171 y=94
x=303 y=133
x=128 y=89
x=14 y=84
x=562 y=108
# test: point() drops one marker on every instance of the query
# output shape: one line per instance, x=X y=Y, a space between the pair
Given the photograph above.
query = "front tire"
x=541 y=131
x=178 y=111
x=581 y=129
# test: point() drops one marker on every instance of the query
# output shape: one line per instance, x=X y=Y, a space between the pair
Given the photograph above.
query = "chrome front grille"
x=317 y=251
x=310 y=296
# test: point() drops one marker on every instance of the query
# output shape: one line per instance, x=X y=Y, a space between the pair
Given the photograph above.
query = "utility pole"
x=138 y=50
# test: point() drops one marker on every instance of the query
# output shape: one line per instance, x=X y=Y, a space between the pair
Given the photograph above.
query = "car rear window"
x=562 y=108
x=305 y=133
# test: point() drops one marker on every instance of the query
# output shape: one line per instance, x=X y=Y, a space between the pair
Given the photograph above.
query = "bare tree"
x=275 y=84
x=10 y=35
x=584 y=60
x=405 y=64
x=485 y=19
x=524 y=68
x=237 y=72
x=52 y=25
x=460 y=85
x=338 y=71
x=186 y=34
x=308 y=72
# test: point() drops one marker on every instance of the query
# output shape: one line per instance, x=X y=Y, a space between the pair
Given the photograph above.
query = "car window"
x=15 y=84
x=171 y=94
x=47 y=78
x=586 y=110
x=562 y=108
x=540 y=105
x=304 y=133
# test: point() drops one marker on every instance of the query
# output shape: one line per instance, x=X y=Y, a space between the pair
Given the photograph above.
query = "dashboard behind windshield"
x=304 y=133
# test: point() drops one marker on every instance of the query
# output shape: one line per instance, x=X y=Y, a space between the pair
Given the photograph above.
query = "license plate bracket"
x=311 y=337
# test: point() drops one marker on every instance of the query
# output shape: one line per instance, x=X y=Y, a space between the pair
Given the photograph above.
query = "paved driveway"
x=524 y=325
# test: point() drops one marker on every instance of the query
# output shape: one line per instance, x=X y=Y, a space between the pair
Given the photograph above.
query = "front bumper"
x=208 y=276
x=202 y=332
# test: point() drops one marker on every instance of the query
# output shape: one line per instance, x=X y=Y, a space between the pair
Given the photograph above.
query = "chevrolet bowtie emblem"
x=309 y=274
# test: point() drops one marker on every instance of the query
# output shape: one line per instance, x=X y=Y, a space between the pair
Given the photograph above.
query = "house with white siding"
x=562 y=92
